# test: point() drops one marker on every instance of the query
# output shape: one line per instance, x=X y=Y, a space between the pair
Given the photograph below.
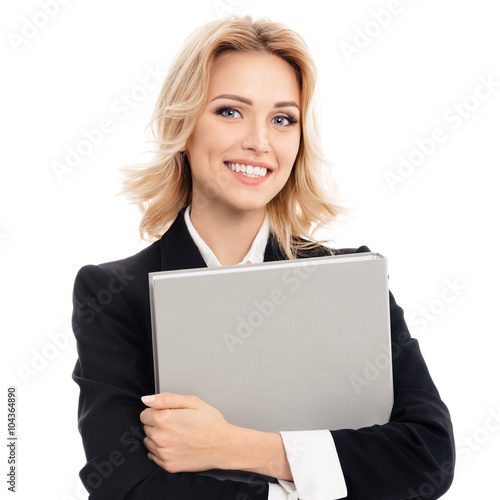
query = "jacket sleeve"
x=113 y=370
x=413 y=455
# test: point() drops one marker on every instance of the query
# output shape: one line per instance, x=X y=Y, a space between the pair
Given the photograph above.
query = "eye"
x=227 y=112
x=284 y=120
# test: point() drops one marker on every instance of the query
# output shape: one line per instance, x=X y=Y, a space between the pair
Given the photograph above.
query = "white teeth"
x=248 y=170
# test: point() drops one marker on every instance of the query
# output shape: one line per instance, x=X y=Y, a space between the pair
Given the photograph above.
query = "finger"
x=148 y=429
x=155 y=417
x=146 y=416
x=172 y=401
x=150 y=445
x=156 y=460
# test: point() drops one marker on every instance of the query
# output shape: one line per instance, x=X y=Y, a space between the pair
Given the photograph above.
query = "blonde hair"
x=163 y=187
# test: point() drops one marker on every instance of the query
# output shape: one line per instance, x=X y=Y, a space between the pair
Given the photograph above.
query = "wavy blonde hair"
x=163 y=186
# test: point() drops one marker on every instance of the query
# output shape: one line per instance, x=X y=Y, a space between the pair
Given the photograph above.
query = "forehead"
x=261 y=76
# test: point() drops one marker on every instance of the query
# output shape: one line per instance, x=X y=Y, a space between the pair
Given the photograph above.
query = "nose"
x=257 y=137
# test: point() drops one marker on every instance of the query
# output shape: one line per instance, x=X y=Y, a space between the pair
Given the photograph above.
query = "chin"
x=249 y=205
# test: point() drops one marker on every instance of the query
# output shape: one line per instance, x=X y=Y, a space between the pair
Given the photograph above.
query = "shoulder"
x=127 y=278
x=322 y=251
x=145 y=261
x=361 y=249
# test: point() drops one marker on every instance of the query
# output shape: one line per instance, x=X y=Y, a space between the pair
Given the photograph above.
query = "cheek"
x=211 y=142
x=198 y=142
x=287 y=155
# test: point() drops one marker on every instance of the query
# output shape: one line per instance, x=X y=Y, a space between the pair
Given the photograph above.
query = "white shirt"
x=312 y=456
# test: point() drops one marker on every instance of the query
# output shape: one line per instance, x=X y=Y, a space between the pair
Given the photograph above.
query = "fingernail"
x=148 y=399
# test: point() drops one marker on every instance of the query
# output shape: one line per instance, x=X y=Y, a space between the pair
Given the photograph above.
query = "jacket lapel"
x=177 y=248
x=272 y=251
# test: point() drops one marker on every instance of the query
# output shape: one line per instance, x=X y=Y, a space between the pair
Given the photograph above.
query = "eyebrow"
x=282 y=104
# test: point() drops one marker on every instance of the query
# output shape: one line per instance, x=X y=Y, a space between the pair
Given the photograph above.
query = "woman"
x=234 y=180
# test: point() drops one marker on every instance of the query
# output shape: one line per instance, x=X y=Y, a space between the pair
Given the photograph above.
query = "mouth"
x=248 y=170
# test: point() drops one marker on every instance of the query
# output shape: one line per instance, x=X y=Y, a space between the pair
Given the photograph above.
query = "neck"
x=229 y=234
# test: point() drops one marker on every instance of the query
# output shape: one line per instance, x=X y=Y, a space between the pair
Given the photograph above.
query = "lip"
x=243 y=179
x=251 y=162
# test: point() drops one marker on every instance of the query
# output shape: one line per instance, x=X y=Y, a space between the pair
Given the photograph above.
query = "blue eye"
x=281 y=120
x=289 y=119
x=285 y=120
x=226 y=111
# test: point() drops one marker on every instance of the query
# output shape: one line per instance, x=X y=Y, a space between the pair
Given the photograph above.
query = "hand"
x=183 y=433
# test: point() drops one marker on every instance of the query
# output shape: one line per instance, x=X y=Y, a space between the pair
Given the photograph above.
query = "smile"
x=247 y=170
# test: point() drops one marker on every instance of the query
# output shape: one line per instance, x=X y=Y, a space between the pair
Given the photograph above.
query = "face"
x=244 y=145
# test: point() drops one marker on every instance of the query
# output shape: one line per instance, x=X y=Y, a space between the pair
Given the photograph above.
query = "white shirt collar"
x=254 y=255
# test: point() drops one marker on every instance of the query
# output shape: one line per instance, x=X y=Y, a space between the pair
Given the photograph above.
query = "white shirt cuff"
x=277 y=492
x=315 y=465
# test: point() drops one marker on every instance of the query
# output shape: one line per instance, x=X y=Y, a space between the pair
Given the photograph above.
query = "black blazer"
x=411 y=455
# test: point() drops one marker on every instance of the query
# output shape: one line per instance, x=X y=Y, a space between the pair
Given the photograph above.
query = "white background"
x=437 y=226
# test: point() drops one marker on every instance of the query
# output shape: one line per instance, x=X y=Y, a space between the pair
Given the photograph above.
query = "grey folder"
x=278 y=346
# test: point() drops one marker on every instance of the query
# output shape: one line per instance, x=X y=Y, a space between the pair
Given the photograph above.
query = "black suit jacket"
x=411 y=455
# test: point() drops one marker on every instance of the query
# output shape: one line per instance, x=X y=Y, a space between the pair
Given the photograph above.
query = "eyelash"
x=291 y=119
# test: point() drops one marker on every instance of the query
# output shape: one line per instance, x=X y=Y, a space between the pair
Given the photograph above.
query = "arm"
x=185 y=434
x=413 y=454
x=114 y=369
